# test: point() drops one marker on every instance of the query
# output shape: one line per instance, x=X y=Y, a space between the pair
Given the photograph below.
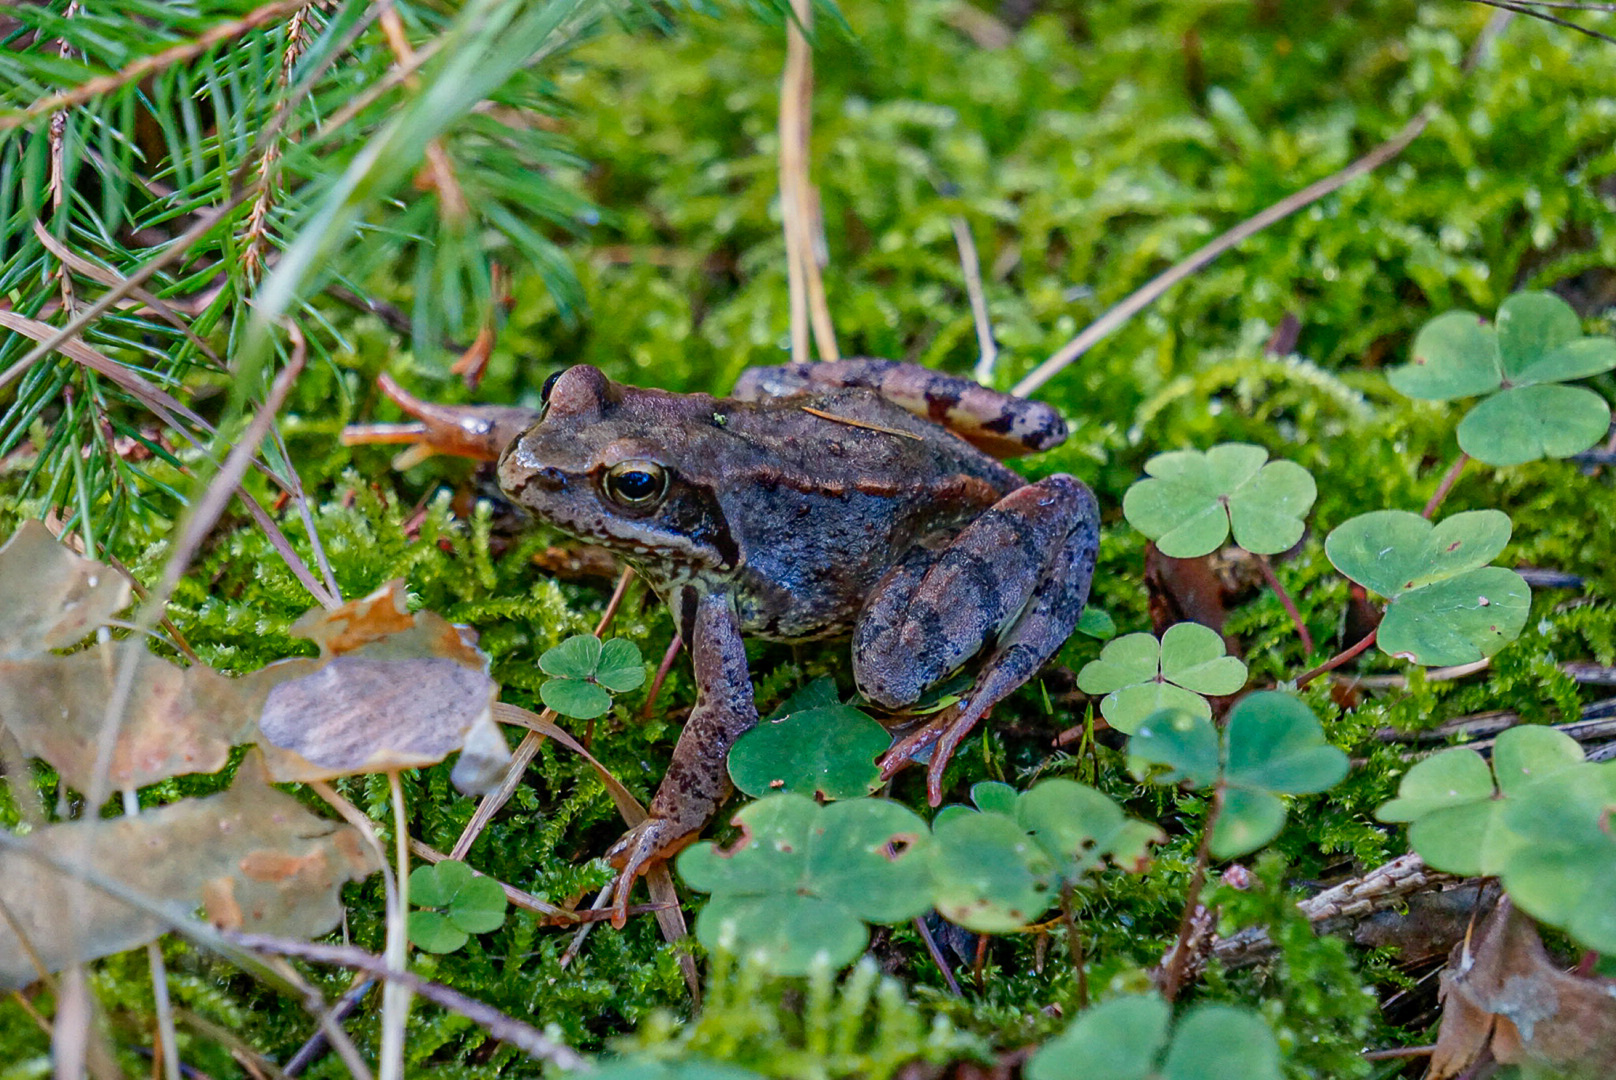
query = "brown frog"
x=856 y=497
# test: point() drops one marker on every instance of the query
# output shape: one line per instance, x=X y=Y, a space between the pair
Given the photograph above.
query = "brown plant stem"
x=1173 y=977
x=1449 y=478
x=1290 y=606
x=1338 y=659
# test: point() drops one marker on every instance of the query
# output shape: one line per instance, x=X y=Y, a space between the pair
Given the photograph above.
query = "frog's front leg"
x=697 y=781
x=1017 y=576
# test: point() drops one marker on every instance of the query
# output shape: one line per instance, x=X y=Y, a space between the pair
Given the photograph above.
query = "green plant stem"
x=1290 y=605
x=1074 y=945
x=1450 y=478
x=396 y=994
x=1338 y=659
x=1173 y=977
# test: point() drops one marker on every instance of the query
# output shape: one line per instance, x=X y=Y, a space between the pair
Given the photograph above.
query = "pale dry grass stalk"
x=1153 y=290
x=799 y=199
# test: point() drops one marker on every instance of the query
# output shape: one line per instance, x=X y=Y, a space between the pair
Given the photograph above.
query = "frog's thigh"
x=1019 y=574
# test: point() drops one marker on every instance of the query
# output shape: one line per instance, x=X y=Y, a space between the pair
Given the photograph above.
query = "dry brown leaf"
x=51 y=597
x=392 y=691
x=252 y=857
x=1502 y=990
x=177 y=720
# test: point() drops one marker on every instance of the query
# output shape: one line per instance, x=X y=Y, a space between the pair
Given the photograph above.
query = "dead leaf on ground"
x=1502 y=991
x=392 y=691
x=176 y=720
x=50 y=597
x=252 y=857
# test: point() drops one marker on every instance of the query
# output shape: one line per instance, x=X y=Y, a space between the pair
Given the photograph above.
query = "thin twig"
x=1151 y=291
x=1337 y=660
x=1521 y=9
x=507 y=1029
x=315 y=1047
x=1399 y=1052
x=528 y=748
x=1290 y=606
x=137 y=70
x=937 y=956
x=1449 y=478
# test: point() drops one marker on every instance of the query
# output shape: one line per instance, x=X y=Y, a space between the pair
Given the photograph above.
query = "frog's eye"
x=549 y=385
x=636 y=484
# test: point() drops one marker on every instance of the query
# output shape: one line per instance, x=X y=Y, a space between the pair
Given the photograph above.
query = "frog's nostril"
x=550 y=478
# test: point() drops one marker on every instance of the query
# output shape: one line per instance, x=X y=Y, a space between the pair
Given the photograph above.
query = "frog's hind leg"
x=480 y=432
x=1017 y=576
x=996 y=423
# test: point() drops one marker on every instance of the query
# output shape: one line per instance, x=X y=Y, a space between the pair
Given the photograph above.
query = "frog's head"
x=626 y=468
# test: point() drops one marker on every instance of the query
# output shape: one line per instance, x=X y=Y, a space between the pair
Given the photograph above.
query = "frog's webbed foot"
x=1017 y=576
x=652 y=841
x=481 y=432
x=996 y=423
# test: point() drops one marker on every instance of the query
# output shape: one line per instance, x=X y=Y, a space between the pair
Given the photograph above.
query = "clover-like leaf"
x=1272 y=743
x=1184 y=745
x=1555 y=855
x=1192 y=500
x=1248 y=820
x=1453 y=800
x=1275 y=743
x=465 y=904
x=1139 y=675
x=816 y=694
x=1530 y=422
x=575 y=698
x=1537 y=343
x=1123 y=1039
x=803 y=879
x=828 y=751
x=432 y=932
x=1000 y=867
x=620 y=668
x=1097 y=623
x=578 y=657
x=1444 y=604
x=1116 y=1040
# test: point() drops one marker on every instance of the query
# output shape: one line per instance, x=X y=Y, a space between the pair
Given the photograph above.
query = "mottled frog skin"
x=858 y=498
